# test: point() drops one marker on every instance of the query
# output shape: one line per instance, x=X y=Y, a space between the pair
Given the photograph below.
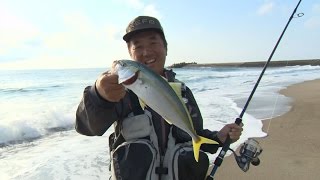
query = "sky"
x=50 y=34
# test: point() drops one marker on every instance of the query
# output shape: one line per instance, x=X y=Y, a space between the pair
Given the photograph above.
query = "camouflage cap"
x=142 y=23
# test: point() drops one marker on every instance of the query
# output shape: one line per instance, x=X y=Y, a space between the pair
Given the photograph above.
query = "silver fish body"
x=157 y=93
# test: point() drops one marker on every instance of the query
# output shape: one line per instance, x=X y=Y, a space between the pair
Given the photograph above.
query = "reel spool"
x=249 y=153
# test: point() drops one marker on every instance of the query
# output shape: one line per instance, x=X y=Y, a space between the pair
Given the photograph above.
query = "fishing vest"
x=135 y=154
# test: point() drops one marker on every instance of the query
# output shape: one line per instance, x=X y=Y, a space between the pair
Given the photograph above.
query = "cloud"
x=77 y=43
x=136 y=4
x=112 y=32
x=82 y=43
x=151 y=10
x=314 y=21
x=316 y=8
x=78 y=22
x=43 y=61
x=147 y=9
x=77 y=32
x=266 y=8
x=15 y=31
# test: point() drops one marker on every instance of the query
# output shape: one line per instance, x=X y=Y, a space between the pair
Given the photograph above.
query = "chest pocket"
x=137 y=157
x=134 y=160
x=136 y=127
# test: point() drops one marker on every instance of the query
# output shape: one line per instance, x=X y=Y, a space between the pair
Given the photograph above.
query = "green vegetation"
x=182 y=64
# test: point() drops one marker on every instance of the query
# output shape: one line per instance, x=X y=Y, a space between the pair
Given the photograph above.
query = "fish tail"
x=196 y=145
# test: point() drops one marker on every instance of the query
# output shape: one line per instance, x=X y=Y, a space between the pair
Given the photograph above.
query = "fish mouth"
x=126 y=74
x=132 y=79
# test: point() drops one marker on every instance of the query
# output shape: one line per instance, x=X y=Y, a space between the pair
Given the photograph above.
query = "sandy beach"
x=292 y=148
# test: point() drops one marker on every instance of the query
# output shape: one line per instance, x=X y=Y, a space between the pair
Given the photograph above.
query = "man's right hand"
x=108 y=87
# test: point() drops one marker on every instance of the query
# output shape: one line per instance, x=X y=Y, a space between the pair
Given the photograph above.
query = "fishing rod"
x=251 y=145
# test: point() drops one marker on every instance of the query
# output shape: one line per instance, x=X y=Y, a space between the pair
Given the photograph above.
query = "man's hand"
x=108 y=87
x=233 y=130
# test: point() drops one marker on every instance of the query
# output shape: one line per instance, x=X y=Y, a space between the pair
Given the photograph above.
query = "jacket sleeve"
x=94 y=114
x=198 y=124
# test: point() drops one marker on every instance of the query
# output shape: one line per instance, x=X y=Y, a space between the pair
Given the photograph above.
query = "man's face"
x=148 y=48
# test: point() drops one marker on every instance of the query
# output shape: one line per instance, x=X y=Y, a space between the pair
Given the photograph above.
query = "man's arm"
x=232 y=130
x=94 y=114
x=100 y=105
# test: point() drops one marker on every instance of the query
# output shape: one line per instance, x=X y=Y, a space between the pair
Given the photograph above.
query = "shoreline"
x=291 y=148
x=279 y=63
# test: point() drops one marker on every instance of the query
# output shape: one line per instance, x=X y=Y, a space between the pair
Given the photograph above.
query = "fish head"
x=127 y=71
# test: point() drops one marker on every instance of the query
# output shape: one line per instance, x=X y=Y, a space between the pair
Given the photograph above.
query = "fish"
x=156 y=92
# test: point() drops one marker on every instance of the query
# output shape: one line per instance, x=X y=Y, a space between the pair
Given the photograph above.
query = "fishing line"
x=226 y=146
x=275 y=104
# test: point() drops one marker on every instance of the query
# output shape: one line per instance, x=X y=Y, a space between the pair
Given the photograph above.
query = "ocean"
x=37 y=115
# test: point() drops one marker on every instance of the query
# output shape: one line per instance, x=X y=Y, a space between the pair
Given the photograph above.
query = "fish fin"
x=196 y=145
x=176 y=86
x=168 y=122
x=142 y=103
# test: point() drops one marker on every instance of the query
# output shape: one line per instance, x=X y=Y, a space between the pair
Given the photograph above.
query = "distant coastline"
x=312 y=62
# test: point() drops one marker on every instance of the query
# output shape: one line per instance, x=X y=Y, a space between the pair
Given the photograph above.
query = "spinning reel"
x=249 y=153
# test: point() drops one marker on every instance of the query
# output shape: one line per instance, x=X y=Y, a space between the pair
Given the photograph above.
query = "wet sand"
x=292 y=148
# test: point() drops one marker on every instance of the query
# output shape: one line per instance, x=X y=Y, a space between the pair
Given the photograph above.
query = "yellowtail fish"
x=156 y=92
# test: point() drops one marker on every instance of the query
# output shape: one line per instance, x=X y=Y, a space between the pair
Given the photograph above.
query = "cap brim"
x=129 y=35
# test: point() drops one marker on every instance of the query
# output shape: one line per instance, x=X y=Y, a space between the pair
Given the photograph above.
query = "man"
x=144 y=145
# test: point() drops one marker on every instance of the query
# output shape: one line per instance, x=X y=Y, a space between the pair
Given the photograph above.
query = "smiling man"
x=147 y=43
x=144 y=145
